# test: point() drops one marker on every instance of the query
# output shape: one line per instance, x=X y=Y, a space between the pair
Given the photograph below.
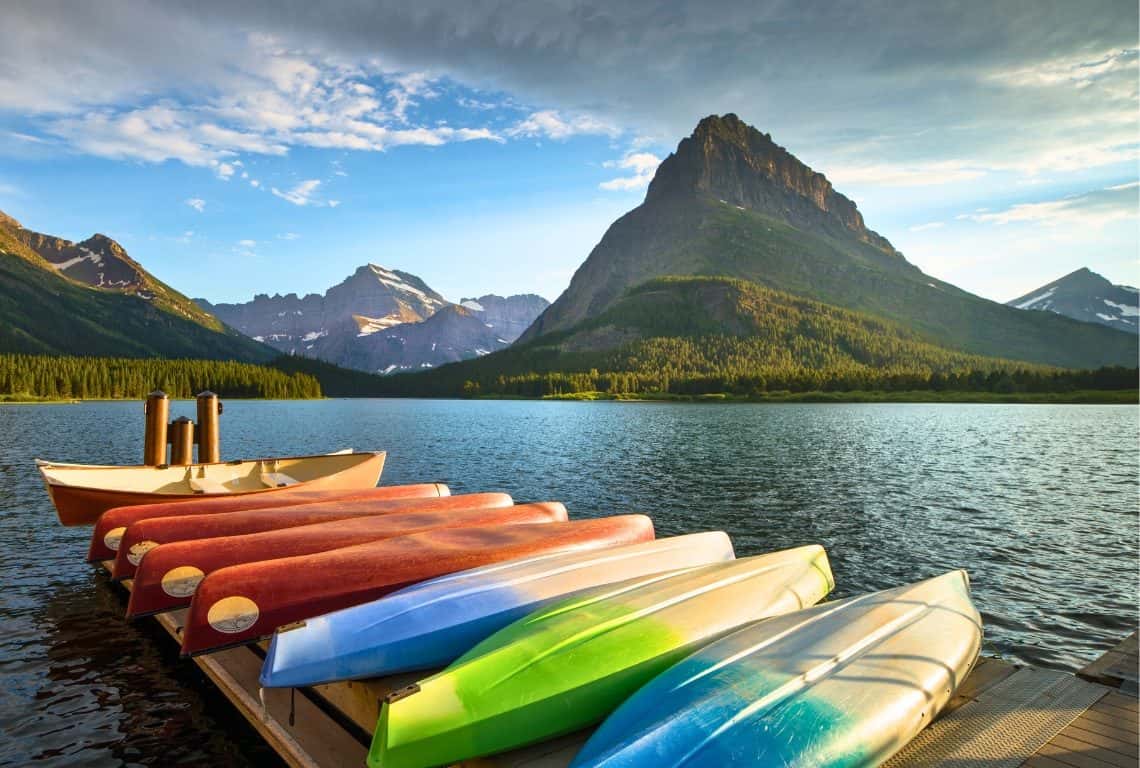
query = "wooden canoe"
x=144 y=535
x=168 y=575
x=113 y=523
x=246 y=602
x=81 y=493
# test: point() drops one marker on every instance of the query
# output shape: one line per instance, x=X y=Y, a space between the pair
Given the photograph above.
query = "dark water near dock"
x=1038 y=503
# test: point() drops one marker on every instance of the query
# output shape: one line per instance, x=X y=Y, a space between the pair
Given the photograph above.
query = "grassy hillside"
x=42 y=313
x=703 y=236
x=692 y=335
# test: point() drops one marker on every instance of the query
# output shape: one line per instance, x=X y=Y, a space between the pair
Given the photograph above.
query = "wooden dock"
x=1003 y=715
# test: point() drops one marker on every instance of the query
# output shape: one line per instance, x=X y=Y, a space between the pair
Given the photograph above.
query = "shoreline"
x=1078 y=397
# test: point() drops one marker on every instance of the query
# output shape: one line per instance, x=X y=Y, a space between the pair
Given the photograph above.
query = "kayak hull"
x=144 y=535
x=81 y=494
x=245 y=602
x=429 y=625
x=567 y=666
x=169 y=574
x=109 y=528
x=846 y=684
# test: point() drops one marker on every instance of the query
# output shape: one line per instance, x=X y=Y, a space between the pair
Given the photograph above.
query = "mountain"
x=1086 y=296
x=730 y=202
x=382 y=320
x=91 y=298
x=510 y=315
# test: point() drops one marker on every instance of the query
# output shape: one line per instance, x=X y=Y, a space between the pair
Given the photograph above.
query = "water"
x=1038 y=503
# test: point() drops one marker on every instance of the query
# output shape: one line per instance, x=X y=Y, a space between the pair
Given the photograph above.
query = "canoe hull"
x=846 y=684
x=109 y=529
x=82 y=505
x=569 y=665
x=142 y=536
x=246 y=602
x=429 y=625
x=168 y=575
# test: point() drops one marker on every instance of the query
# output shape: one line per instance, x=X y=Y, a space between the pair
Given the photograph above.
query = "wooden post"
x=157 y=410
x=181 y=441
x=208 y=435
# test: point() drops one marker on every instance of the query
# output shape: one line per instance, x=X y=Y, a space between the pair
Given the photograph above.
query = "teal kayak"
x=843 y=685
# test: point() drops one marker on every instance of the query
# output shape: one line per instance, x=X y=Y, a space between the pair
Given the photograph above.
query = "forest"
x=52 y=377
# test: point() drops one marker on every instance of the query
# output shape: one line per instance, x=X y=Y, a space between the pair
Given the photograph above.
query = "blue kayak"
x=843 y=685
x=431 y=624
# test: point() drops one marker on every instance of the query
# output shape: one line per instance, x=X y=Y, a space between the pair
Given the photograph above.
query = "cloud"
x=197 y=203
x=247 y=243
x=888 y=93
x=550 y=124
x=643 y=165
x=288 y=236
x=927 y=227
x=303 y=193
x=1092 y=209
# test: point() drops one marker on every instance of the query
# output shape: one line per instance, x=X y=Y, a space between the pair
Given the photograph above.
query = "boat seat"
x=277 y=479
x=206 y=485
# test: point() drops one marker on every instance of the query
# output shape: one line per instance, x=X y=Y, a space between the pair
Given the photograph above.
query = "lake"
x=1037 y=502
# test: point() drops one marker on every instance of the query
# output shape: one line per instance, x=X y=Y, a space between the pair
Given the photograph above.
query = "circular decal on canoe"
x=135 y=556
x=114 y=537
x=181 y=581
x=233 y=614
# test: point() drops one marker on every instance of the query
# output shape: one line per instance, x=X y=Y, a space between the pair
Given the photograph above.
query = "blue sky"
x=259 y=148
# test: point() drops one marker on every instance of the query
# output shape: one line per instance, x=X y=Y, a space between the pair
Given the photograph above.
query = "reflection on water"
x=1038 y=503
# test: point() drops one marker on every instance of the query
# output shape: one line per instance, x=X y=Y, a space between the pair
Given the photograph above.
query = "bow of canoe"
x=144 y=535
x=845 y=684
x=112 y=524
x=82 y=493
x=169 y=574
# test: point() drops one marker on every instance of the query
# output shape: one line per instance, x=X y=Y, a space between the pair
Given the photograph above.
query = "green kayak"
x=569 y=665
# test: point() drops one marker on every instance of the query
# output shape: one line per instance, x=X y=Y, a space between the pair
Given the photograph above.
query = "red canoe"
x=111 y=525
x=145 y=535
x=168 y=575
x=82 y=492
x=245 y=602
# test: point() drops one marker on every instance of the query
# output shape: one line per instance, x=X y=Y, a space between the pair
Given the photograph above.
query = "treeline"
x=117 y=377
x=766 y=381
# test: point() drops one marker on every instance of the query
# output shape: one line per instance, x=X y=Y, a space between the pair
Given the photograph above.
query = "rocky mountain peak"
x=8 y=221
x=730 y=161
x=1087 y=296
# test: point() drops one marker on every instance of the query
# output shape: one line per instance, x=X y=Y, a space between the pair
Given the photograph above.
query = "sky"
x=271 y=146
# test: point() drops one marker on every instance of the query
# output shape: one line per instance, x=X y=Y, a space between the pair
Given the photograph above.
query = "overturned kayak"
x=82 y=493
x=145 y=535
x=569 y=665
x=843 y=684
x=245 y=602
x=112 y=524
x=169 y=574
x=431 y=624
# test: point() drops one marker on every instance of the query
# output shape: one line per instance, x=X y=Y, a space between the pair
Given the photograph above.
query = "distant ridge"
x=1086 y=296
x=381 y=320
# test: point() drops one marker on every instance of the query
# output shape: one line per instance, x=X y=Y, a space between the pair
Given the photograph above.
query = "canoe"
x=144 y=535
x=112 y=524
x=169 y=574
x=246 y=602
x=845 y=684
x=569 y=665
x=82 y=493
x=429 y=625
